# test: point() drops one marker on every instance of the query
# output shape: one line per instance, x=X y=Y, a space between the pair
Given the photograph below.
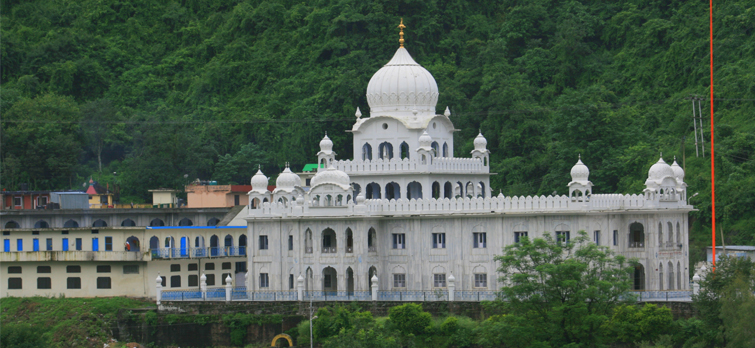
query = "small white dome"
x=325 y=144
x=480 y=143
x=331 y=176
x=287 y=181
x=403 y=86
x=678 y=171
x=580 y=172
x=425 y=140
x=659 y=171
x=259 y=182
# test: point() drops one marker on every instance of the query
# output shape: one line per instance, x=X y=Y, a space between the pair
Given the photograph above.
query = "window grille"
x=439 y=280
x=73 y=283
x=399 y=241
x=103 y=282
x=399 y=280
x=44 y=283
x=14 y=283
x=263 y=243
x=481 y=280
x=518 y=236
x=480 y=239
x=439 y=240
x=264 y=280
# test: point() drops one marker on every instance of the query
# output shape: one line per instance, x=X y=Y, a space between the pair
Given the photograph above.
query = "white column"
x=696 y=285
x=228 y=286
x=158 y=288
x=300 y=288
x=203 y=286
x=374 y=287
x=451 y=287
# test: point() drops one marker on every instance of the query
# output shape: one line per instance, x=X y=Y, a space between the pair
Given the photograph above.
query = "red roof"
x=247 y=188
x=91 y=190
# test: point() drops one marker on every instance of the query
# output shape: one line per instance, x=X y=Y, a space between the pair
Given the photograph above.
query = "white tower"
x=580 y=187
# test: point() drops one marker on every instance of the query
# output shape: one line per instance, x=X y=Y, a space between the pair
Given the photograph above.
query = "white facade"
x=409 y=211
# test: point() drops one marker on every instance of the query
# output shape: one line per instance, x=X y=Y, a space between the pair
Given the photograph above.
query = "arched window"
x=200 y=250
x=128 y=223
x=373 y=191
x=404 y=148
x=392 y=191
x=469 y=189
x=445 y=150
x=670 y=230
x=13 y=224
x=639 y=277
x=185 y=222
x=213 y=222
x=156 y=223
x=349 y=241
x=670 y=276
x=329 y=279
x=636 y=235
x=99 y=223
x=436 y=149
x=414 y=190
x=308 y=241
x=448 y=190
x=371 y=240
x=385 y=150
x=660 y=277
x=255 y=203
x=678 y=234
x=459 y=189
x=366 y=152
x=436 y=190
x=71 y=224
x=371 y=272
x=660 y=234
x=328 y=241
x=154 y=243
x=41 y=224
x=185 y=245
x=679 y=276
x=481 y=188
x=242 y=245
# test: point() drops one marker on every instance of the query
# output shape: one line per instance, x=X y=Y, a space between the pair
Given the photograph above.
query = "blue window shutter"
x=35 y=244
x=65 y=244
x=95 y=244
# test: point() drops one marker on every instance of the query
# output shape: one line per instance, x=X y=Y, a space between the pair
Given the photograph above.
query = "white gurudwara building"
x=410 y=212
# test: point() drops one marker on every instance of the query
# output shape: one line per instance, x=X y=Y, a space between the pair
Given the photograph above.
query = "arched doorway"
x=309 y=281
x=133 y=244
x=371 y=240
x=242 y=245
x=329 y=245
x=200 y=250
x=636 y=235
x=392 y=191
x=481 y=186
x=367 y=152
x=660 y=277
x=154 y=243
x=385 y=150
x=436 y=190
x=214 y=245
x=404 y=150
x=350 y=281
x=639 y=277
x=185 y=246
x=469 y=189
x=414 y=190
x=448 y=190
x=670 y=275
x=228 y=245
x=372 y=191
x=349 y=241
x=329 y=280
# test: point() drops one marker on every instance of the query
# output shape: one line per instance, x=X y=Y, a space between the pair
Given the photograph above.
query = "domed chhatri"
x=259 y=182
x=678 y=171
x=287 y=181
x=402 y=87
x=580 y=172
x=480 y=143
x=326 y=145
x=659 y=171
x=425 y=140
x=331 y=176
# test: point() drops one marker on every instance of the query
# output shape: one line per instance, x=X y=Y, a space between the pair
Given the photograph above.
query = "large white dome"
x=659 y=171
x=331 y=176
x=259 y=182
x=287 y=181
x=401 y=87
x=580 y=172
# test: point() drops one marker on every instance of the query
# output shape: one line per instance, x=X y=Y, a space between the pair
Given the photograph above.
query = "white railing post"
x=228 y=286
x=451 y=287
x=374 y=287
x=696 y=284
x=203 y=286
x=300 y=288
x=159 y=288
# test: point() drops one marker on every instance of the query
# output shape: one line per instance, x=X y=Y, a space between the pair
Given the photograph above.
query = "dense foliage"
x=155 y=90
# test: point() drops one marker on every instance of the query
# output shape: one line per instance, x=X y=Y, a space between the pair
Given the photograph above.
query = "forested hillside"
x=154 y=90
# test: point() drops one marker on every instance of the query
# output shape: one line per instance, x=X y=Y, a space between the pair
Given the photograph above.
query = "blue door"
x=78 y=243
x=6 y=245
x=183 y=246
x=20 y=245
x=95 y=244
x=65 y=244
x=35 y=244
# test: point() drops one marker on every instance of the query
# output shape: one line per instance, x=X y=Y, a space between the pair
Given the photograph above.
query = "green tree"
x=101 y=127
x=568 y=289
x=410 y=318
x=631 y=324
x=238 y=168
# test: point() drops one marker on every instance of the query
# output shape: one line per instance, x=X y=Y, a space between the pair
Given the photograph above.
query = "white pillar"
x=374 y=287
x=228 y=286
x=247 y=282
x=451 y=287
x=300 y=288
x=203 y=286
x=158 y=288
x=696 y=285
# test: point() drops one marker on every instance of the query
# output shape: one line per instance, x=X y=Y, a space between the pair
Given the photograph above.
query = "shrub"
x=410 y=318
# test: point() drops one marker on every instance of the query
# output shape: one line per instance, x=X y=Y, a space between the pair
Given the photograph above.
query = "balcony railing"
x=175 y=253
x=329 y=250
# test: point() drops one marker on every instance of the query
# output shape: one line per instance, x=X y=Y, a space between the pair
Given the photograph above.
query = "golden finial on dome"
x=401 y=26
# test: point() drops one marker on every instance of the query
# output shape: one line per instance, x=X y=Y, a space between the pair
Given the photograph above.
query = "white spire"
x=447 y=113
x=358 y=114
